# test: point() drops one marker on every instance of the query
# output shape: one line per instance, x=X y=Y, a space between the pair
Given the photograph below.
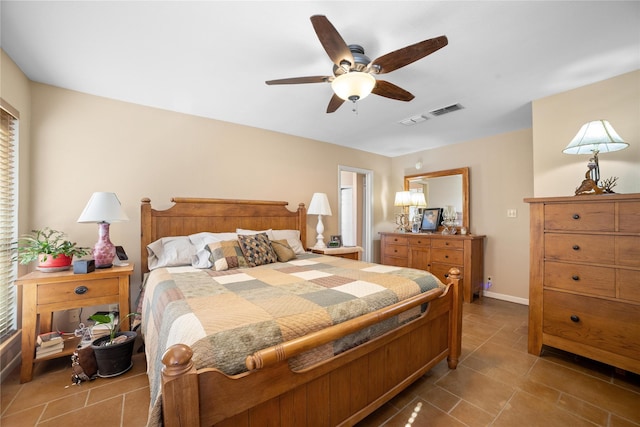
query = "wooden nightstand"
x=44 y=293
x=351 y=252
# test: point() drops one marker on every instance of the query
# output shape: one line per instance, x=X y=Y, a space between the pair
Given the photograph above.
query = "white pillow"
x=252 y=232
x=200 y=240
x=170 y=252
x=292 y=237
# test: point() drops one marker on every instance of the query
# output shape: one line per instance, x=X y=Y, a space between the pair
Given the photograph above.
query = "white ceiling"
x=211 y=59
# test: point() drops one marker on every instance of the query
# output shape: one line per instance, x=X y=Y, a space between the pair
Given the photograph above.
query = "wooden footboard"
x=340 y=391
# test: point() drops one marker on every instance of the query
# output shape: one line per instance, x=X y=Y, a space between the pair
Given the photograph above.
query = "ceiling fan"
x=353 y=72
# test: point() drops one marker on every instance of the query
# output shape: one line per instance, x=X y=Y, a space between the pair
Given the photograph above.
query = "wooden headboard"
x=193 y=215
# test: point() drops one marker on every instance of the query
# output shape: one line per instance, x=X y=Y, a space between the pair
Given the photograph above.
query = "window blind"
x=8 y=219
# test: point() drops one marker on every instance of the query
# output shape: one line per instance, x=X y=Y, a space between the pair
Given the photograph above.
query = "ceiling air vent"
x=446 y=110
x=410 y=121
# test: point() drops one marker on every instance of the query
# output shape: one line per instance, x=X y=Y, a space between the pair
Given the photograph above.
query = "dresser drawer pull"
x=446 y=256
x=575 y=318
x=576 y=277
x=80 y=290
x=576 y=216
x=576 y=248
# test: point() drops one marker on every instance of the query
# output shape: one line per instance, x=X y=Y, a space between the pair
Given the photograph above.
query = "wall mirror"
x=444 y=188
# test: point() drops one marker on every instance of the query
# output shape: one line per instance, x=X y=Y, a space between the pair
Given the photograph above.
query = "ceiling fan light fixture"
x=354 y=85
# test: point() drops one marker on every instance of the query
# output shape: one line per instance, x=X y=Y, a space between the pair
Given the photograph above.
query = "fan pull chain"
x=355 y=108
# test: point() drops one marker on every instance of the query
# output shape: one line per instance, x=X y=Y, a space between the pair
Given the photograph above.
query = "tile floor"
x=497 y=383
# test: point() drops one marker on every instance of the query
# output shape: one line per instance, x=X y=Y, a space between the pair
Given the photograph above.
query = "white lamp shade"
x=319 y=205
x=418 y=199
x=596 y=135
x=103 y=207
x=403 y=198
x=354 y=85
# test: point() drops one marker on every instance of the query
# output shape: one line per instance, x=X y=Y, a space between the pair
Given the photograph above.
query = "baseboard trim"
x=504 y=297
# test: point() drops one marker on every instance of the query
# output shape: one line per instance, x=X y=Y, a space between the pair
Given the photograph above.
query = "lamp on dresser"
x=103 y=208
x=319 y=206
x=403 y=200
x=592 y=138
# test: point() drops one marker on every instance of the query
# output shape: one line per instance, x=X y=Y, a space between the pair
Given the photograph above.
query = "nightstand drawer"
x=445 y=243
x=579 y=216
x=581 y=278
x=452 y=257
x=592 y=321
x=579 y=247
x=77 y=291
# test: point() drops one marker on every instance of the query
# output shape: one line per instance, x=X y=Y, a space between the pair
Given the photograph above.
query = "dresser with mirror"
x=434 y=251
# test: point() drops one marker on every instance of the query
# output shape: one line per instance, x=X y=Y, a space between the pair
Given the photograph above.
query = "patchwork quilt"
x=227 y=315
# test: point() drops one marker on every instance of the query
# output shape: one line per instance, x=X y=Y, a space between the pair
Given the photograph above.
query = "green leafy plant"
x=109 y=320
x=47 y=242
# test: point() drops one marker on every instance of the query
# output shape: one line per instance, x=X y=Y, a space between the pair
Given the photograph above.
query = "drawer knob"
x=575 y=318
x=576 y=216
x=576 y=277
x=80 y=290
x=576 y=248
x=446 y=256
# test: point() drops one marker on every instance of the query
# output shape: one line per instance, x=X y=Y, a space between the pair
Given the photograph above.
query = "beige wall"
x=500 y=175
x=137 y=151
x=616 y=100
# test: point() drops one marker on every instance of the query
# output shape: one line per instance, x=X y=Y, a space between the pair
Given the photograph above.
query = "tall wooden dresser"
x=437 y=253
x=584 y=285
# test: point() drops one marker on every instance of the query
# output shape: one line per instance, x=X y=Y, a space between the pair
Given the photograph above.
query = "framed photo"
x=431 y=218
x=335 y=242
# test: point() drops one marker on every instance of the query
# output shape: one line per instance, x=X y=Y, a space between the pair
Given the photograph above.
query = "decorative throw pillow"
x=226 y=255
x=257 y=249
x=283 y=250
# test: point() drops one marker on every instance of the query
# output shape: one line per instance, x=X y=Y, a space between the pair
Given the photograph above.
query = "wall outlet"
x=512 y=213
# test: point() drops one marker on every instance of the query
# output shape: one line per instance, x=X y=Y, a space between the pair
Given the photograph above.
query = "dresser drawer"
x=77 y=291
x=446 y=243
x=629 y=285
x=396 y=250
x=628 y=251
x=579 y=216
x=603 y=324
x=452 y=257
x=441 y=270
x=629 y=217
x=395 y=240
x=579 y=247
x=584 y=279
x=421 y=241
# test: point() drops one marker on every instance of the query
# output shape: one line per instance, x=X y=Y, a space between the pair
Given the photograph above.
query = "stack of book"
x=48 y=344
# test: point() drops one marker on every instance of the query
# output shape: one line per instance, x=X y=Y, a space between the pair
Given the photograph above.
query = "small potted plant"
x=50 y=248
x=113 y=351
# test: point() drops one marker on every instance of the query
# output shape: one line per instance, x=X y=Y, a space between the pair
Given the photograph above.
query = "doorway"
x=355 y=196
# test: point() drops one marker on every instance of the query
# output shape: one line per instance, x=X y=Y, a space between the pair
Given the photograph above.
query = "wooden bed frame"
x=340 y=391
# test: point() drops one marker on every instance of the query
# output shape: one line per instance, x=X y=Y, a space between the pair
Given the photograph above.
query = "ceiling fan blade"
x=389 y=90
x=334 y=104
x=299 y=80
x=331 y=40
x=405 y=56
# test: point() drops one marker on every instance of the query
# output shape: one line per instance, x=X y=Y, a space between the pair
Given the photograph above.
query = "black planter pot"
x=115 y=359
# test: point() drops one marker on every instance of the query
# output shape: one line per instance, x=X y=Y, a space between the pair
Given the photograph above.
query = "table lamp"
x=103 y=208
x=592 y=138
x=319 y=206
